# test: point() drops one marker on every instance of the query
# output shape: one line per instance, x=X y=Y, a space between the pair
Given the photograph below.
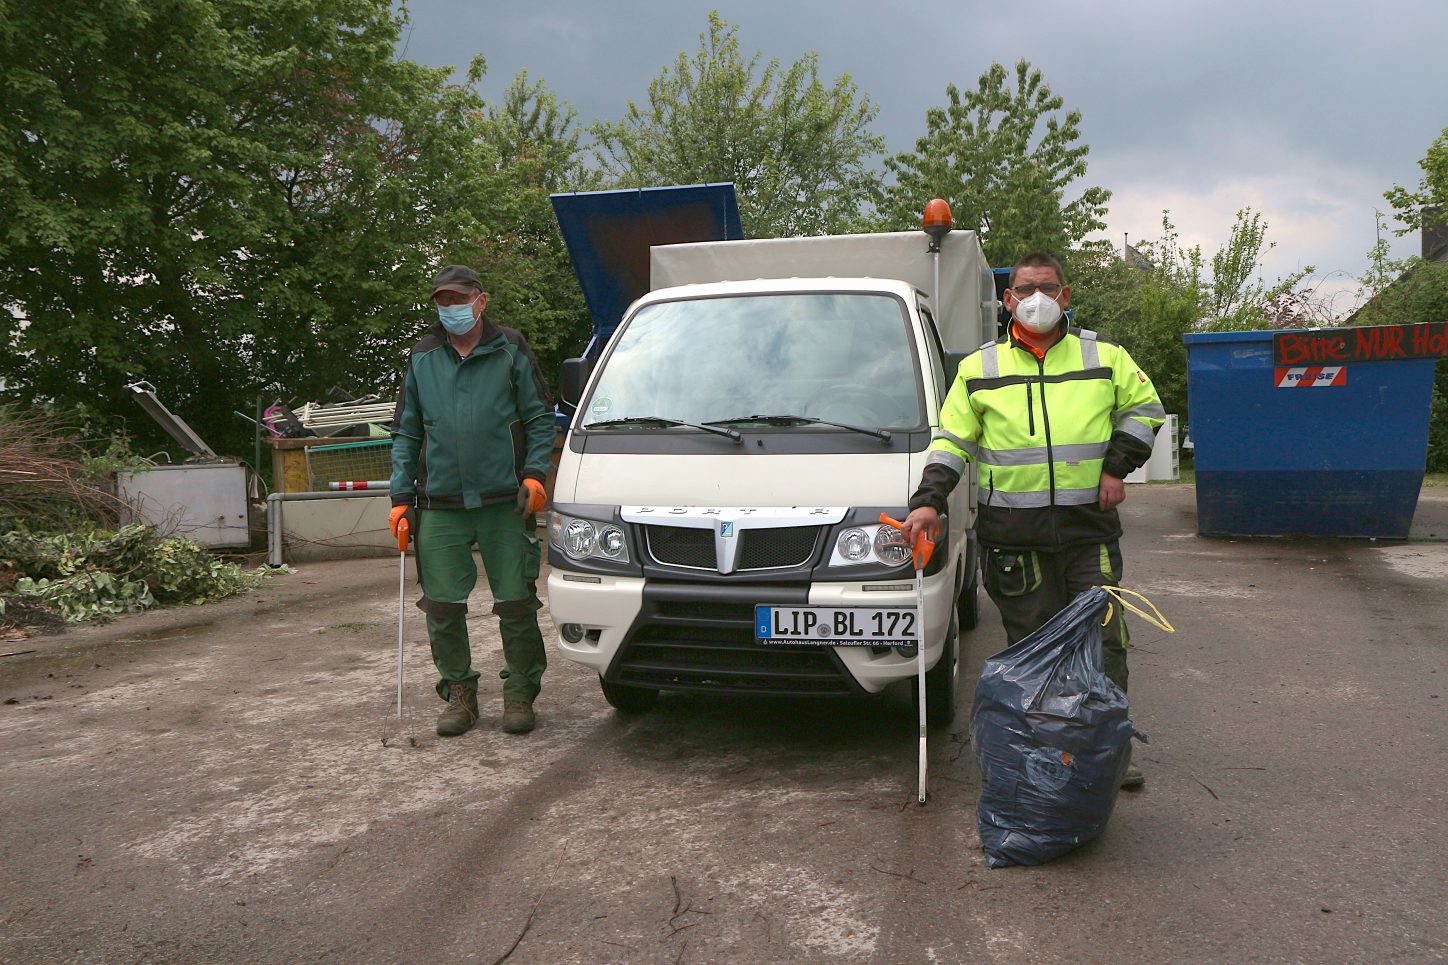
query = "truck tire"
x=968 y=604
x=942 y=681
x=626 y=699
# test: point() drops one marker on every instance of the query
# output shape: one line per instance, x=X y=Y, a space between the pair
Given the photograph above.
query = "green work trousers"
x=1031 y=586
x=511 y=555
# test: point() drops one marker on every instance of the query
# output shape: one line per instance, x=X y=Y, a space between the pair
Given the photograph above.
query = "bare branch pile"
x=45 y=482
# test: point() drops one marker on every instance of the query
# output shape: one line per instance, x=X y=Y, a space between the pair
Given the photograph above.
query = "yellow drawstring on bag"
x=1119 y=594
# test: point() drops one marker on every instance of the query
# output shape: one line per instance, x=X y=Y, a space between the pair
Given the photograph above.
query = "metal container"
x=205 y=502
x=1336 y=450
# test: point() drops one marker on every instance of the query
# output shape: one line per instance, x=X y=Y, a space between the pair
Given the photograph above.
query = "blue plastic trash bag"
x=1053 y=738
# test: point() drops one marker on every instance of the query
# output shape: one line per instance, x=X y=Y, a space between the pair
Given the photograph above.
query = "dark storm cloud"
x=1308 y=111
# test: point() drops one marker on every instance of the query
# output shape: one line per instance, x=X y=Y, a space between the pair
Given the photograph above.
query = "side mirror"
x=572 y=380
x=952 y=365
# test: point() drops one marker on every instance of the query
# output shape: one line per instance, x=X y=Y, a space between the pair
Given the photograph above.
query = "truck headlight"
x=854 y=544
x=612 y=544
x=890 y=546
x=870 y=543
x=581 y=539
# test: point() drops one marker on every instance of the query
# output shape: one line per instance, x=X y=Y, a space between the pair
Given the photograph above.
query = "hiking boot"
x=462 y=709
x=518 y=717
x=1133 y=779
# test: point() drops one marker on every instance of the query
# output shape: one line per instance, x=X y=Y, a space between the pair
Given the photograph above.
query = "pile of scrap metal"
x=367 y=416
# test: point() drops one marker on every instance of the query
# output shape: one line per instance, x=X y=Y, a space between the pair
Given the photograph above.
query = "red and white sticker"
x=1311 y=376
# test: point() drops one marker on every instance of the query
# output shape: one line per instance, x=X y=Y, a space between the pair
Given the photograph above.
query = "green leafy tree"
x=1006 y=157
x=229 y=198
x=795 y=148
x=1428 y=205
x=1147 y=306
x=1234 y=301
x=531 y=284
x=533 y=126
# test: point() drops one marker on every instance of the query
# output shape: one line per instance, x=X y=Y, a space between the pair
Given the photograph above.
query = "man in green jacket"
x=471 y=440
x=1055 y=418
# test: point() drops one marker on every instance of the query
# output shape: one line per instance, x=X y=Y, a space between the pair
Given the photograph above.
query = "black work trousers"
x=1031 y=586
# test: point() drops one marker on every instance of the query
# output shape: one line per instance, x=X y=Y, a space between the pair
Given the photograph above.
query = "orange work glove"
x=531 y=496
x=402 y=522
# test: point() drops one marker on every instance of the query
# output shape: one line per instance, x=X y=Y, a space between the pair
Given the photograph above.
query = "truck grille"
x=710 y=646
x=765 y=549
x=682 y=546
x=759 y=549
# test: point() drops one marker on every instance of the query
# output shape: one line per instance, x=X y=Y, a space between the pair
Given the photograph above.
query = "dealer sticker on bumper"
x=823 y=626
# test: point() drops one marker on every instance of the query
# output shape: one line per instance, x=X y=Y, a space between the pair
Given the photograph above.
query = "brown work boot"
x=462 y=709
x=518 y=717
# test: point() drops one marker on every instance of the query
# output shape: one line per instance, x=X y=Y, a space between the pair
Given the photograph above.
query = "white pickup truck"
x=716 y=515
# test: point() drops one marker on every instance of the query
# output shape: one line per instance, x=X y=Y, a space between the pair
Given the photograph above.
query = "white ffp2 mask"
x=1038 y=313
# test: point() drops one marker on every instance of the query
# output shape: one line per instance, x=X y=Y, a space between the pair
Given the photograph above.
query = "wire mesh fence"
x=348 y=462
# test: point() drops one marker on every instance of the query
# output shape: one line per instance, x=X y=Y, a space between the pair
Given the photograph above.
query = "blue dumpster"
x=1324 y=448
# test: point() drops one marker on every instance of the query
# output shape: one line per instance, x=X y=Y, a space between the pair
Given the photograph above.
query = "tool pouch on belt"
x=1012 y=572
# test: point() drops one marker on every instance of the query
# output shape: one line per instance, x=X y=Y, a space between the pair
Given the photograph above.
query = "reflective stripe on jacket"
x=1042 y=431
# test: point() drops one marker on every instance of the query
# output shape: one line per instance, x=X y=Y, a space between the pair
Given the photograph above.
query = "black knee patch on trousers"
x=436 y=608
x=517 y=608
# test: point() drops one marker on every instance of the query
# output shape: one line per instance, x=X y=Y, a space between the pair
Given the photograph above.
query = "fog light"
x=572 y=632
x=906 y=649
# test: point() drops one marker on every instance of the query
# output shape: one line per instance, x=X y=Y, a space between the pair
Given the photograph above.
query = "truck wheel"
x=626 y=699
x=942 y=681
x=968 y=605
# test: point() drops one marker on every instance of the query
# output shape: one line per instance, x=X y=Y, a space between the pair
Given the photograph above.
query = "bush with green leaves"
x=88 y=576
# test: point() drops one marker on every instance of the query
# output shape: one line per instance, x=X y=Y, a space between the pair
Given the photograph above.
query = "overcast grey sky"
x=1307 y=111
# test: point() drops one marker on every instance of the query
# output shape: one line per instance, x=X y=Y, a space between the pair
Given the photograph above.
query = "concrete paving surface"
x=211 y=784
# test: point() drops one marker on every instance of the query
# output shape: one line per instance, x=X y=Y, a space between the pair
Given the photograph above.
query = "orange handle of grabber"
x=923 y=548
x=403 y=533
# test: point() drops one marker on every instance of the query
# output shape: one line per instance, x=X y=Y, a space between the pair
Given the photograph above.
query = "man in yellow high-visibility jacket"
x=1055 y=419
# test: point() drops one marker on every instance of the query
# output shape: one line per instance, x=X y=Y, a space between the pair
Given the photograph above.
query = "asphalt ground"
x=212 y=784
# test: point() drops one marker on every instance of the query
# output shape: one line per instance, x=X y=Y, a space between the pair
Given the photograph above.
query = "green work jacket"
x=1042 y=431
x=466 y=431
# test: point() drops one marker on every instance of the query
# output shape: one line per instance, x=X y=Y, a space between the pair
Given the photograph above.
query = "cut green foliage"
x=89 y=576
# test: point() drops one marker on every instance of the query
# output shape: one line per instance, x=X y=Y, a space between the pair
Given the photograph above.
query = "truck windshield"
x=844 y=357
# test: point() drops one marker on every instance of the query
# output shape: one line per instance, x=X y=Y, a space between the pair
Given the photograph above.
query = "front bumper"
x=668 y=635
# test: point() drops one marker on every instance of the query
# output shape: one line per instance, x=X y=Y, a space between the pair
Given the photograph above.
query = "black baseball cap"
x=457 y=278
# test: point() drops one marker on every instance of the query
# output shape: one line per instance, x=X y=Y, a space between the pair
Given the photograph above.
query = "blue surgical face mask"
x=457 y=319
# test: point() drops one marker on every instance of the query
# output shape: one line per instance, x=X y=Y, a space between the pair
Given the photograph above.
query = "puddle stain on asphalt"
x=1422 y=561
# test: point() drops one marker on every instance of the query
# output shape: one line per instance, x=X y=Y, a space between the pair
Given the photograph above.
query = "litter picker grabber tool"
x=404 y=531
x=920 y=552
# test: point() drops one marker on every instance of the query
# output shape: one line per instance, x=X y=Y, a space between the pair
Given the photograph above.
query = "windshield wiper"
x=802 y=420
x=653 y=420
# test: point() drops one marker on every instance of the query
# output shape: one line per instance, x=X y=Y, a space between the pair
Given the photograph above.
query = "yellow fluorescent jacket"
x=1041 y=432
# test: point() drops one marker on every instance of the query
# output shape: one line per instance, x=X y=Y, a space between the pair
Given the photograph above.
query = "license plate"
x=825 y=626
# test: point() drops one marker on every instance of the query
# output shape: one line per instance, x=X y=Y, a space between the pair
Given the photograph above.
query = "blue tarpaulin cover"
x=609 y=233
